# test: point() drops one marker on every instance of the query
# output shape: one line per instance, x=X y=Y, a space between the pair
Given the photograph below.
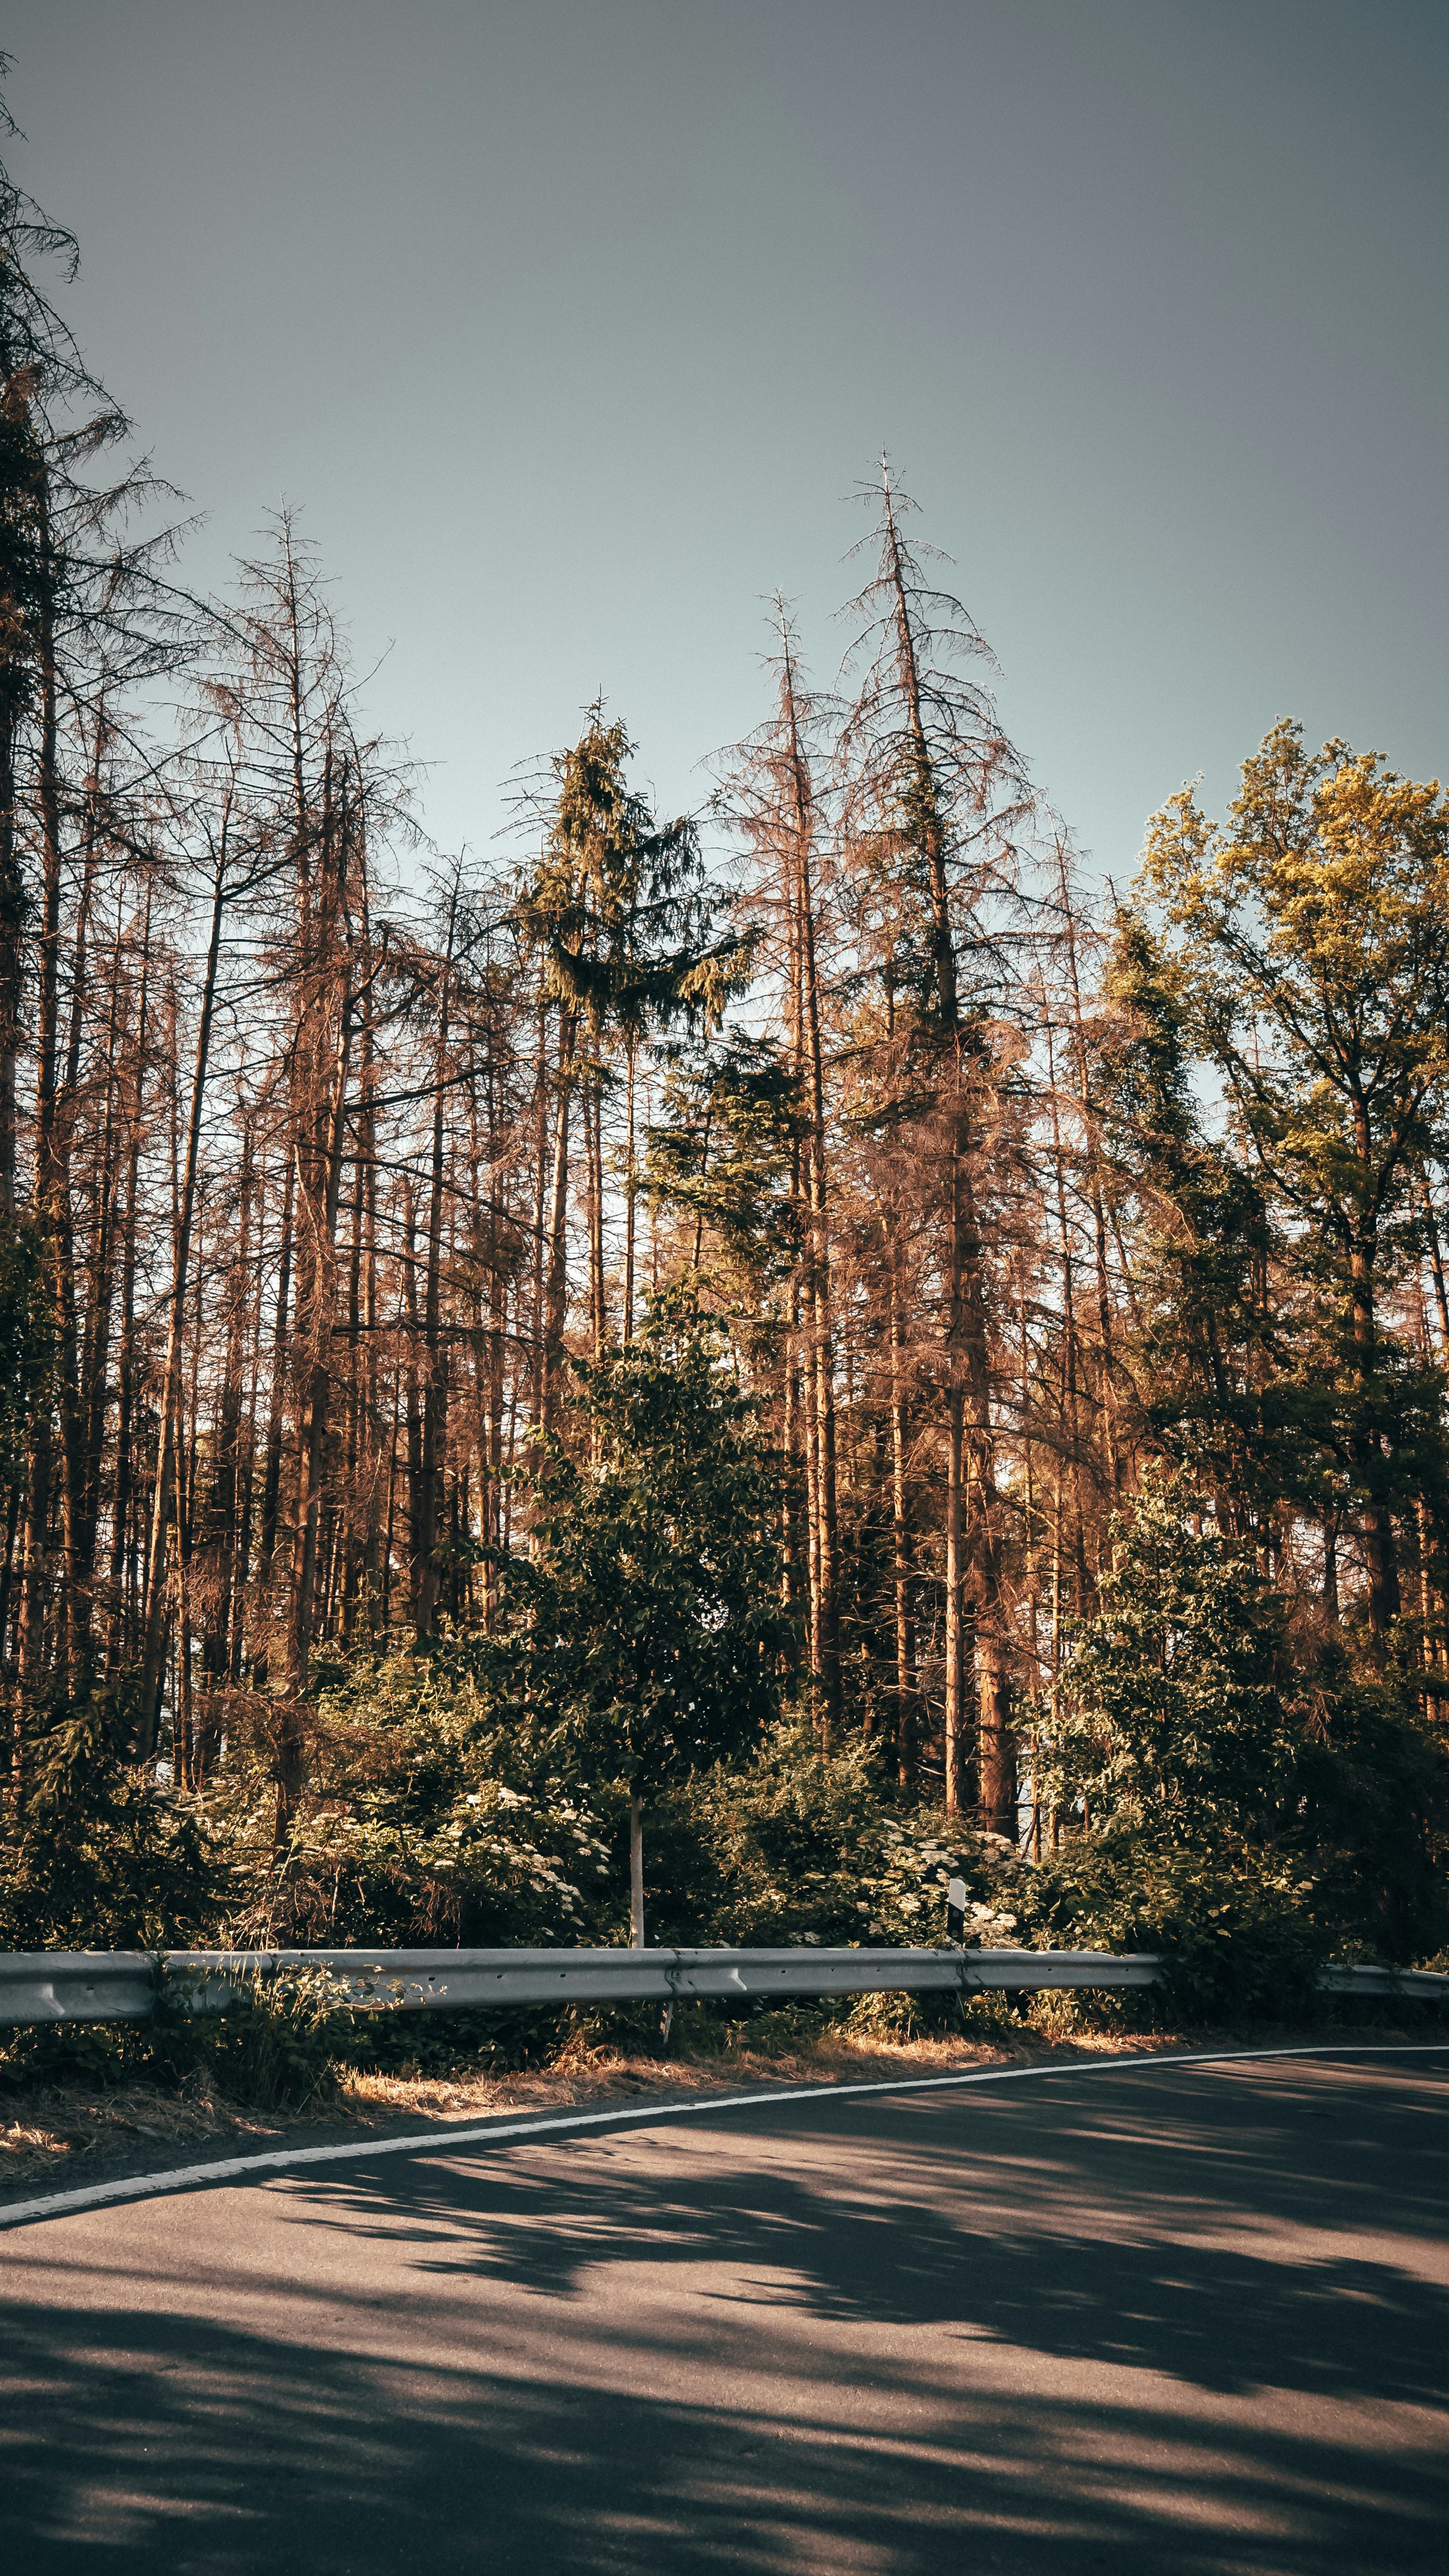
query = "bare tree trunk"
x=556 y=1296
x=153 y=1616
x=1436 y=1264
x=322 y=1210
x=900 y=1544
x=820 y=1377
x=630 y=1191
x=272 y=1473
x=13 y=910
x=1107 y=1375
x=1380 y=1541
x=538 y=1265
x=51 y=1196
x=435 y=1395
x=122 y=1638
x=974 y=1549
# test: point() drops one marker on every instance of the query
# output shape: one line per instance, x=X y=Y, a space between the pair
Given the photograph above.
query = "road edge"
x=504 y=2130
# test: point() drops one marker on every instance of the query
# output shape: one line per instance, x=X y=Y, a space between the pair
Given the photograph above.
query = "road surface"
x=1192 y=2319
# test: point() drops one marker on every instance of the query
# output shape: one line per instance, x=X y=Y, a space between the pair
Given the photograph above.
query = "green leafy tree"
x=1170 y=1716
x=1225 y=1386
x=1312 y=945
x=438 y=1819
x=719 y=1160
x=1226 y=1793
x=1172 y=1737
x=649 y=1632
x=101 y=1855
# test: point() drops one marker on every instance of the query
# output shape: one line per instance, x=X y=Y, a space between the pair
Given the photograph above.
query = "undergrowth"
x=291 y=2044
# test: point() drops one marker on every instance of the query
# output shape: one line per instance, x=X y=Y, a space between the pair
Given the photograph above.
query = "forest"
x=680 y=1376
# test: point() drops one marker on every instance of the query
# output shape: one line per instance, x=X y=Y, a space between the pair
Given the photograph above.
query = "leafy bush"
x=1372 y=1779
x=100 y=1854
x=1251 y=1812
x=1222 y=1810
x=645 y=1625
x=1169 y=1714
x=1239 y=1930
x=436 y=1821
x=274 y=2048
x=797 y=1846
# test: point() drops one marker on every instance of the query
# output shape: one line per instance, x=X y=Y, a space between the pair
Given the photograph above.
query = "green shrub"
x=1252 y=1810
x=276 y=2046
x=1372 y=1778
x=433 y=1819
x=800 y=1847
x=99 y=1853
x=1238 y=1932
x=1169 y=1717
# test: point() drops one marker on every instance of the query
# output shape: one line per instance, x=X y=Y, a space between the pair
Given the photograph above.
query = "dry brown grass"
x=56 y=2131
x=69 y=2133
x=59 y=2134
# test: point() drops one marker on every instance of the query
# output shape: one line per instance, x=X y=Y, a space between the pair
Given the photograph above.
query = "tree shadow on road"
x=1036 y=2241
x=1099 y=2411
x=175 y=2448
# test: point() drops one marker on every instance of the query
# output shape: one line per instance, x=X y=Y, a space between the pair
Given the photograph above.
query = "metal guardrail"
x=1425 y=1984
x=77 y=1985
x=101 y=1985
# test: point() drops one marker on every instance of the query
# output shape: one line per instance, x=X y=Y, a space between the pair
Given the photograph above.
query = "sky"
x=569 y=326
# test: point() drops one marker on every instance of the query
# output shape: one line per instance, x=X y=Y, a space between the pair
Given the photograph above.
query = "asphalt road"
x=1190 y=2319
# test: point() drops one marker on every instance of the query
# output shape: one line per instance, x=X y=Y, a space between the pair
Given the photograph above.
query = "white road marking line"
x=501 y=2133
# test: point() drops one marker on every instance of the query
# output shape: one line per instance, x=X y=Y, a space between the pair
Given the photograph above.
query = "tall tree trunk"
x=1380 y=1543
x=820 y=1374
x=900 y=1543
x=435 y=1396
x=277 y=1407
x=1436 y=1264
x=631 y=1192
x=51 y=1193
x=122 y=1639
x=321 y=1210
x=977 y=1620
x=153 y=1617
x=556 y=1292
x=14 y=908
x=1107 y=1370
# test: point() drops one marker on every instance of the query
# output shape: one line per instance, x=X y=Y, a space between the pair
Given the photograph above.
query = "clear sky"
x=568 y=324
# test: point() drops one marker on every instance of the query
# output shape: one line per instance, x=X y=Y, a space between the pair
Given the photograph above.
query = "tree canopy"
x=801 y=1321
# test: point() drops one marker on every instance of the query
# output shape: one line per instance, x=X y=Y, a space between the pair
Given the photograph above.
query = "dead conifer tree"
x=940 y=794
x=774 y=796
